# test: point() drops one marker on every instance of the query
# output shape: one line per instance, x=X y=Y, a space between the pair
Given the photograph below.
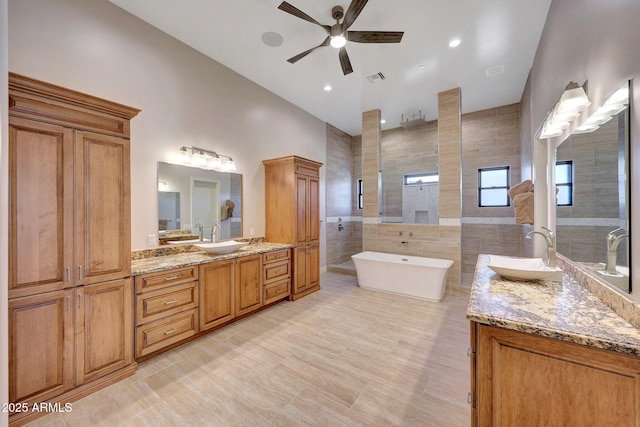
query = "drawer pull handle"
x=170 y=331
x=171 y=278
x=173 y=301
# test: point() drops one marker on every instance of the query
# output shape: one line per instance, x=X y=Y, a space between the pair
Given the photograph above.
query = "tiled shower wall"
x=344 y=233
x=489 y=138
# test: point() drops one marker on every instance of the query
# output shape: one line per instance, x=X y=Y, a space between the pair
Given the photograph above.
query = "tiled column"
x=450 y=164
x=370 y=177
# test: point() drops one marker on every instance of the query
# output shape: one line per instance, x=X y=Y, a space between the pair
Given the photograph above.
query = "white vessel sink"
x=221 y=247
x=522 y=268
x=186 y=242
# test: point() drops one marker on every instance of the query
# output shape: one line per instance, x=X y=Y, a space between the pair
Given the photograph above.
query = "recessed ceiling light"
x=454 y=43
x=327 y=87
x=422 y=67
x=383 y=121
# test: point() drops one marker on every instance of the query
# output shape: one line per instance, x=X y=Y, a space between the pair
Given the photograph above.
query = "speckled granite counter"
x=192 y=256
x=565 y=311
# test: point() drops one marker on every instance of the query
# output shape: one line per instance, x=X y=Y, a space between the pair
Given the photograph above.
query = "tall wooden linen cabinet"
x=292 y=208
x=70 y=292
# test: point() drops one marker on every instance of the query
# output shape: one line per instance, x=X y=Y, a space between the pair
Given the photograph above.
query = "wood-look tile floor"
x=344 y=356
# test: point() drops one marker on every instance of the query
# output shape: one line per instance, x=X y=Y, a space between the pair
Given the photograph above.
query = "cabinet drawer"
x=276 y=271
x=153 y=281
x=156 y=304
x=275 y=256
x=277 y=291
x=161 y=333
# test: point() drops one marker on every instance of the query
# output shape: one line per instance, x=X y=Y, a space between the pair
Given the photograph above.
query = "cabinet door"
x=40 y=346
x=527 y=380
x=103 y=248
x=313 y=266
x=216 y=294
x=302 y=224
x=313 y=209
x=104 y=329
x=248 y=284
x=300 y=281
x=41 y=207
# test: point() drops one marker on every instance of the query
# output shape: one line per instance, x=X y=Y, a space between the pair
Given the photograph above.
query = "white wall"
x=186 y=98
x=4 y=213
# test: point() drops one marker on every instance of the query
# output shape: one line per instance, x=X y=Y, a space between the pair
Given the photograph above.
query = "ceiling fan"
x=338 y=34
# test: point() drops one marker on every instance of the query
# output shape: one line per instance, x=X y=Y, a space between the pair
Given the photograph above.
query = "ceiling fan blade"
x=286 y=7
x=299 y=56
x=375 y=36
x=345 y=62
x=354 y=10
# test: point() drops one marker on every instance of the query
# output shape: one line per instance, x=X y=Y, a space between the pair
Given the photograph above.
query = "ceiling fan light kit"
x=338 y=34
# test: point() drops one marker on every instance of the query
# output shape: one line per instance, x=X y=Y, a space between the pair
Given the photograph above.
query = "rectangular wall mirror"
x=592 y=178
x=189 y=195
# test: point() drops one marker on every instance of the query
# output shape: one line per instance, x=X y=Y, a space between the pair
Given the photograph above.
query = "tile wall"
x=489 y=138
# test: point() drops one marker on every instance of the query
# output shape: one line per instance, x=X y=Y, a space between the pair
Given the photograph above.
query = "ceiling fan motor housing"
x=337 y=13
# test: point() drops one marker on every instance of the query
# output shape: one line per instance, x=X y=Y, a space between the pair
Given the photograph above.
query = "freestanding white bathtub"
x=400 y=274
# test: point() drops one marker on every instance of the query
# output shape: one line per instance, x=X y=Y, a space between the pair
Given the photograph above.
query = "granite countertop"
x=195 y=257
x=565 y=311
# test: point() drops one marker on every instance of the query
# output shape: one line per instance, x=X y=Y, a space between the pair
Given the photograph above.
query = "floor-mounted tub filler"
x=413 y=276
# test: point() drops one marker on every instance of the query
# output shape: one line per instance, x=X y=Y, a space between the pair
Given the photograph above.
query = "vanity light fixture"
x=205 y=159
x=612 y=106
x=572 y=102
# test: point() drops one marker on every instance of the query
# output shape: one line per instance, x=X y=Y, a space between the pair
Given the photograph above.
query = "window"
x=564 y=182
x=493 y=184
x=421 y=178
x=359 y=191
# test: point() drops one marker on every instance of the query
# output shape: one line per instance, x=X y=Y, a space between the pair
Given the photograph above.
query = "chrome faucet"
x=550 y=240
x=214 y=228
x=200 y=229
x=613 y=240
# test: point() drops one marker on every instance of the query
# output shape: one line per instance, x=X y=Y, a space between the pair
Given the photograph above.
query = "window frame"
x=406 y=177
x=566 y=184
x=360 y=193
x=506 y=187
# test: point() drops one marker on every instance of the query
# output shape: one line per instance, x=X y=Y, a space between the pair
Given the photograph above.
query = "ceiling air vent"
x=494 y=71
x=376 y=78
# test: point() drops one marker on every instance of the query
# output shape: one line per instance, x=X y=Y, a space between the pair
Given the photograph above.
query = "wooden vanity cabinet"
x=528 y=380
x=70 y=295
x=293 y=216
x=217 y=293
x=166 y=309
x=276 y=277
x=248 y=283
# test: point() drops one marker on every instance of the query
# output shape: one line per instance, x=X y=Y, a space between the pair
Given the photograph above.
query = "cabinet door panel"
x=313 y=207
x=103 y=208
x=104 y=328
x=527 y=380
x=216 y=294
x=248 y=284
x=299 y=269
x=313 y=266
x=40 y=346
x=302 y=225
x=41 y=207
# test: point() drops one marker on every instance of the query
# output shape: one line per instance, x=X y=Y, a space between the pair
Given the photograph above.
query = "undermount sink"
x=220 y=248
x=523 y=268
